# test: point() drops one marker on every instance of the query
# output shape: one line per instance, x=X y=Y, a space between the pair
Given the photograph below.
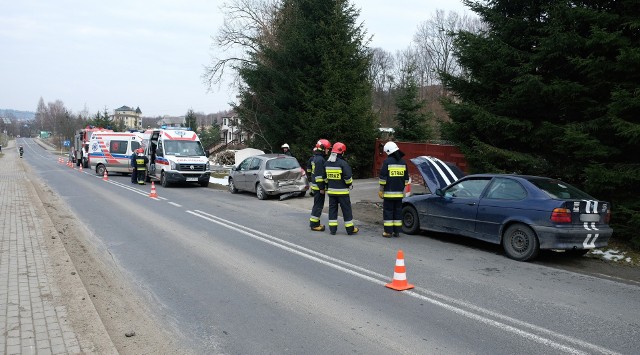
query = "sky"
x=151 y=54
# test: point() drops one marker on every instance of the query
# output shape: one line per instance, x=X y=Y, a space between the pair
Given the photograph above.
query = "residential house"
x=129 y=117
x=231 y=132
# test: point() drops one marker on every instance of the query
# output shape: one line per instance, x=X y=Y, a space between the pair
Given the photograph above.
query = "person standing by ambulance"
x=141 y=166
x=317 y=177
x=393 y=179
x=134 y=179
x=339 y=180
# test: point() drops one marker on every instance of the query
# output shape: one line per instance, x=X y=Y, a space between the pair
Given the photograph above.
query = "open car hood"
x=436 y=173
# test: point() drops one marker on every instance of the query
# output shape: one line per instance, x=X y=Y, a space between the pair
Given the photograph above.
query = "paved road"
x=237 y=275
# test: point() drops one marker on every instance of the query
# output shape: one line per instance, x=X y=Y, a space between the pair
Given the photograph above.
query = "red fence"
x=448 y=153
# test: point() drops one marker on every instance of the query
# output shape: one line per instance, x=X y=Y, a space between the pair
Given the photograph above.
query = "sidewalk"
x=36 y=317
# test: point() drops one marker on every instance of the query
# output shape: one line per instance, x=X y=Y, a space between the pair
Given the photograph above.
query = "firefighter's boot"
x=319 y=228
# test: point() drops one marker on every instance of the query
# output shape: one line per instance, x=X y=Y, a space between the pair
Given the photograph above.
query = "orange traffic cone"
x=399 y=282
x=153 y=193
x=105 y=177
x=80 y=169
x=60 y=160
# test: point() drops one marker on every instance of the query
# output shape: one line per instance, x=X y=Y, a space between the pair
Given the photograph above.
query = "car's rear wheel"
x=232 y=187
x=262 y=195
x=520 y=243
x=410 y=221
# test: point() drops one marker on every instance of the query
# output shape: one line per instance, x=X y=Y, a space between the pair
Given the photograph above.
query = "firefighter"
x=318 y=176
x=393 y=179
x=141 y=166
x=286 y=150
x=134 y=156
x=339 y=180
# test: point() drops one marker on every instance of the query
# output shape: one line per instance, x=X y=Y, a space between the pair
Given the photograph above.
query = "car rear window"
x=282 y=164
x=559 y=189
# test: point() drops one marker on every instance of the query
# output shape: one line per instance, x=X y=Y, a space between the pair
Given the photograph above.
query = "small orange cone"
x=153 y=193
x=80 y=169
x=105 y=177
x=399 y=282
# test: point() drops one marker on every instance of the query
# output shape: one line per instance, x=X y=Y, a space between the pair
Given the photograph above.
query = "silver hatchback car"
x=269 y=175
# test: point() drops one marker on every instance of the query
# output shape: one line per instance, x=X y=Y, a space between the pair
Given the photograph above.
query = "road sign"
x=67 y=143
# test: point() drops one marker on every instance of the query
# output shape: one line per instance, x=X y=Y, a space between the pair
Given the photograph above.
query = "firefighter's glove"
x=381 y=194
x=322 y=192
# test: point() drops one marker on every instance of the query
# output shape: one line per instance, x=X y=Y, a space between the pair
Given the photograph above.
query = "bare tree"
x=434 y=43
x=247 y=24
x=382 y=78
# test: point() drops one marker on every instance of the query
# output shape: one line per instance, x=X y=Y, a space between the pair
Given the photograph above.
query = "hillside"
x=20 y=115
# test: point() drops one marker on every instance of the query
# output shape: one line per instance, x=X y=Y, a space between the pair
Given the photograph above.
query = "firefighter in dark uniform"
x=317 y=177
x=134 y=155
x=339 y=180
x=141 y=166
x=394 y=177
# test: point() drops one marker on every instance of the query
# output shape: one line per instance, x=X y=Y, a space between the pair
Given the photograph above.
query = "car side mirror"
x=439 y=192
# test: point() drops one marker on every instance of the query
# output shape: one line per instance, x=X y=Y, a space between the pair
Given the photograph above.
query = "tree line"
x=547 y=87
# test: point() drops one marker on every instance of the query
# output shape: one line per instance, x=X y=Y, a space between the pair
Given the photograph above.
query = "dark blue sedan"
x=523 y=213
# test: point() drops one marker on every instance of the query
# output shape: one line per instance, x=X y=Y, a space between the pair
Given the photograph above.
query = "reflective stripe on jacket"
x=394 y=177
x=339 y=177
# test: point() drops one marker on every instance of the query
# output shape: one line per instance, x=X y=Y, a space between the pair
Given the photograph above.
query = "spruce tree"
x=311 y=81
x=412 y=124
x=551 y=88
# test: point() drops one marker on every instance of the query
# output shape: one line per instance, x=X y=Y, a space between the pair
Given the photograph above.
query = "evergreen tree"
x=101 y=121
x=412 y=124
x=191 y=120
x=551 y=88
x=311 y=81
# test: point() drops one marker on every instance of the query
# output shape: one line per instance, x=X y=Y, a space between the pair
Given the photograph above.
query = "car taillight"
x=561 y=215
x=607 y=217
x=304 y=173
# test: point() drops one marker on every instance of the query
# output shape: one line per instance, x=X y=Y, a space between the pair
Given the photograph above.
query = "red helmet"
x=339 y=148
x=323 y=144
x=139 y=150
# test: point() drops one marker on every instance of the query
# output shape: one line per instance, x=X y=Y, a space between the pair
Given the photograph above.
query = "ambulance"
x=111 y=151
x=81 y=144
x=176 y=156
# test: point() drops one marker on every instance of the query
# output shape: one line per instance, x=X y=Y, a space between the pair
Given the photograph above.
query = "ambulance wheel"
x=100 y=169
x=260 y=193
x=163 y=180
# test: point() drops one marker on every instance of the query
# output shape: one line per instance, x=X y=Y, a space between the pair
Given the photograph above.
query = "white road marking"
x=175 y=204
x=453 y=305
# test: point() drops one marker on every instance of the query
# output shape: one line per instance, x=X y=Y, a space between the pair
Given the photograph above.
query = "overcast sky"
x=143 y=53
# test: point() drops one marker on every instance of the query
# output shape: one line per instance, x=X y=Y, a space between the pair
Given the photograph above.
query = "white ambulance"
x=111 y=151
x=176 y=156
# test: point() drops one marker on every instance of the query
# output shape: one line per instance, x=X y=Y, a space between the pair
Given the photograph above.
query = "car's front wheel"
x=410 y=221
x=260 y=193
x=232 y=187
x=520 y=243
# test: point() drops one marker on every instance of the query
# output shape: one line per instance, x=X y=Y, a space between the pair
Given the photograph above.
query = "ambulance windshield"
x=183 y=148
